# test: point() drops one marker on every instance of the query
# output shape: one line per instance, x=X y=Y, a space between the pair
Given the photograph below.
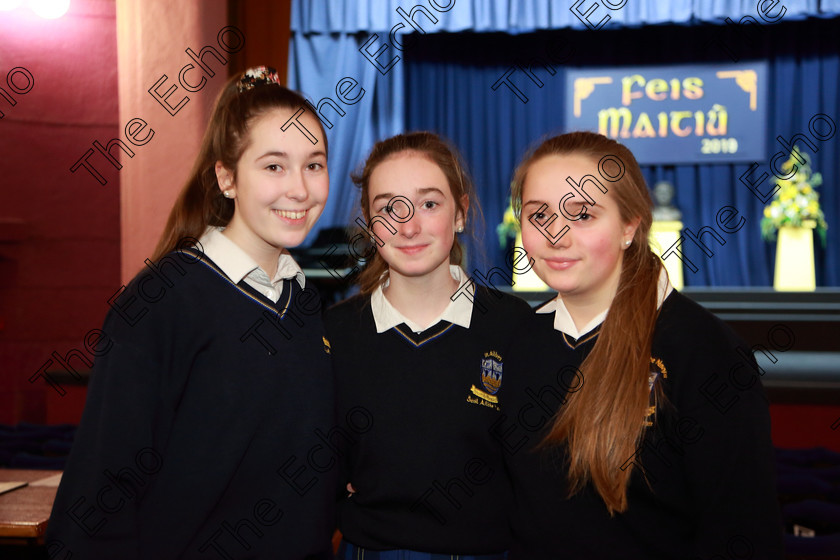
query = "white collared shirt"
x=563 y=320
x=458 y=312
x=237 y=264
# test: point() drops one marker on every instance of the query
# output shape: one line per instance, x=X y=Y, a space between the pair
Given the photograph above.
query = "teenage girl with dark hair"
x=423 y=350
x=660 y=445
x=206 y=398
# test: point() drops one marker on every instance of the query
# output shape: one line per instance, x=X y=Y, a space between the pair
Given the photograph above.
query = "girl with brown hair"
x=423 y=350
x=214 y=379
x=648 y=434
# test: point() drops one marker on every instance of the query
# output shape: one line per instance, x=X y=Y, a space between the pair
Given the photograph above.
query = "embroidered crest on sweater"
x=491 y=381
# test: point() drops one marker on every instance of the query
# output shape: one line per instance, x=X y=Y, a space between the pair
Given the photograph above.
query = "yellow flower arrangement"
x=509 y=228
x=796 y=199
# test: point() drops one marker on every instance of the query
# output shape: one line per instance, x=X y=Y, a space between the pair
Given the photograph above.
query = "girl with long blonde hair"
x=648 y=434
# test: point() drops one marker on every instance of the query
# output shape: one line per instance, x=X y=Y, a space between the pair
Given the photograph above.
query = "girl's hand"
x=350 y=489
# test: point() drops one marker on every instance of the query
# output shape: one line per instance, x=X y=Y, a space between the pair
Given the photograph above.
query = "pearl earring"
x=227 y=194
x=628 y=242
x=459 y=229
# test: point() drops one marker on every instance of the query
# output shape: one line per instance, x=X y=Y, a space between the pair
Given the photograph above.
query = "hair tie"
x=257 y=75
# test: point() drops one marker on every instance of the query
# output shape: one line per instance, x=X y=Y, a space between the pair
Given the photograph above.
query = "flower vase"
x=663 y=236
x=795 y=258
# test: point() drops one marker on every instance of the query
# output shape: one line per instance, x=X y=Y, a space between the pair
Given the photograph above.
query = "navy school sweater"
x=709 y=486
x=427 y=471
x=200 y=430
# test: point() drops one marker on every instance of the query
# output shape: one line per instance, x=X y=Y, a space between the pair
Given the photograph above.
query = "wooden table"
x=24 y=512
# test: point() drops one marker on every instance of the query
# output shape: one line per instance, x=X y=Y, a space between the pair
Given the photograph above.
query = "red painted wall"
x=61 y=264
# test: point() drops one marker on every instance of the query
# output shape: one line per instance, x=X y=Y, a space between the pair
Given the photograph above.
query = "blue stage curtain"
x=518 y=16
x=324 y=49
x=448 y=88
x=317 y=63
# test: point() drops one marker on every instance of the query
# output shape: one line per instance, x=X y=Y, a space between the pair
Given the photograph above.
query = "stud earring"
x=227 y=194
x=628 y=242
x=459 y=229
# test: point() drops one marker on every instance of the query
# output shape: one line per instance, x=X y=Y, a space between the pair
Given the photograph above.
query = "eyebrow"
x=422 y=190
x=389 y=196
x=426 y=190
x=274 y=153
x=280 y=154
x=535 y=203
x=577 y=203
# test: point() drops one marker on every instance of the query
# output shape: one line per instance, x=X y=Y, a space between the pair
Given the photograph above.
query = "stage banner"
x=698 y=113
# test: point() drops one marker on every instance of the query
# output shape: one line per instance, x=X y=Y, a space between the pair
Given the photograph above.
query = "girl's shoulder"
x=682 y=319
x=490 y=300
x=692 y=339
x=349 y=309
x=158 y=287
x=172 y=272
x=181 y=291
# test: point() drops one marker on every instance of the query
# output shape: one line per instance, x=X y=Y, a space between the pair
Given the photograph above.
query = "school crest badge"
x=491 y=382
x=491 y=372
